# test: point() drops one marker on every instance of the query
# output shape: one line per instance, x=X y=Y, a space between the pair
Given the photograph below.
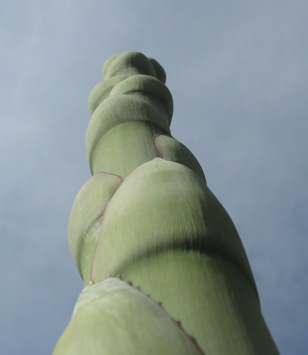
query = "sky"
x=238 y=74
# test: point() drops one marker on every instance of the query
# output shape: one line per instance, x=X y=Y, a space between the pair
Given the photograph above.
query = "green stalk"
x=148 y=216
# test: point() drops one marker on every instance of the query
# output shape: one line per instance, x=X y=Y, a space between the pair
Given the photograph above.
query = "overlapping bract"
x=113 y=317
x=148 y=216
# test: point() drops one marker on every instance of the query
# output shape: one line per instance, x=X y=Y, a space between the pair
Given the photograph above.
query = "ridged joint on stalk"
x=120 y=67
x=132 y=63
x=175 y=210
x=108 y=308
x=169 y=148
x=129 y=94
x=86 y=219
x=123 y=115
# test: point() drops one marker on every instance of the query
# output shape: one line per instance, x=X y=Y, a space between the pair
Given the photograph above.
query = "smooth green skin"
x=102 y=91
x=174 y=239
x=171 y=149
x=127 y=111
x=87 y=211
x=86 y=219
x=107 y=310
x=167 y=206
x=133 y=63
x=212 y=298
x=161 y=228
x=125 y=119
x=131 y=106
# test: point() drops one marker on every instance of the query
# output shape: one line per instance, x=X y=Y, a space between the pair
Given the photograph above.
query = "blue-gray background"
x=238 y=74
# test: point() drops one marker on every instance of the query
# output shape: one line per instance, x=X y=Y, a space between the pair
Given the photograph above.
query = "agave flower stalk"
x=163 y=266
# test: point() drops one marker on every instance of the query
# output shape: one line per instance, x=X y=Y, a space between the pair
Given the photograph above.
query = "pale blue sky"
x=238 y=75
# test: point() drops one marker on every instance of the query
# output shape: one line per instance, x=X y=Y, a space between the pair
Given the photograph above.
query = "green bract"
x=112 y=317
x=148 y=216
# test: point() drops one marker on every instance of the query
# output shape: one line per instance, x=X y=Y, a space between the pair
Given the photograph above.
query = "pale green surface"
x=161 y=227
x=115 y=318
x=160 y=72
x=86 y=218
x=148 y=88
x=167 y=206
x=173 y=150
x=102 y=91
x=212 y=298
x=118 y=110
x=128 y=63
x=124 y=148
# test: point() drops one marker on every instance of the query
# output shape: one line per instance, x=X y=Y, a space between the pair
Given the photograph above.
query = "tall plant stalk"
x=163 y=266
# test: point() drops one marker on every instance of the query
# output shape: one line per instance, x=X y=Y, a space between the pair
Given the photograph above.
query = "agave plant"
x=163 y=266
